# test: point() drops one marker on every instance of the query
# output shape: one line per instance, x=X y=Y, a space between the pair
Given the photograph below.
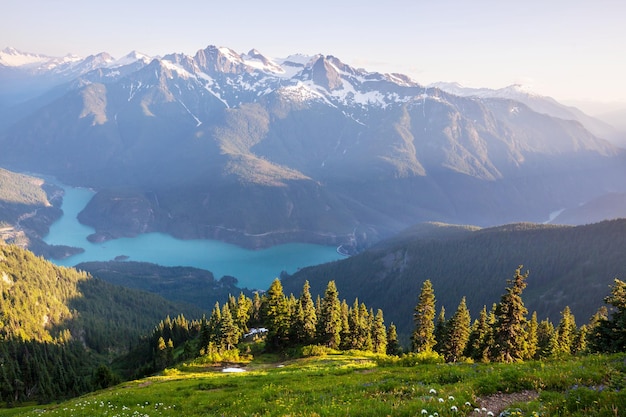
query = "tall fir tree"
x=228 y=332
x=243 y=313
x=393 y=345
x=276 y=317
x=346 y=328
x=510 y=327
x=309 y=323
x=531 y=334
x=379 y=333
x=441 y=331
x=329 y=320
x=565 y=332
x=478 y=342
x=423 y=337
x=458 y=333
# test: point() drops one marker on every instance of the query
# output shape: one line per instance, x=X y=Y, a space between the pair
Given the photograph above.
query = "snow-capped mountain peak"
x=11 y=57
x=131 y=58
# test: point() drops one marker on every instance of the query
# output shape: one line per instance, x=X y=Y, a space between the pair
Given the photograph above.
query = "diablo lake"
x=254 y=269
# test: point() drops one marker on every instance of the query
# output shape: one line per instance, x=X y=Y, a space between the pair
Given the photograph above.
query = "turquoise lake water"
x=255 y=269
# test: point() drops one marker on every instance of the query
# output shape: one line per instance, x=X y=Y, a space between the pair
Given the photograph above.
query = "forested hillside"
x=57 y=324
x=180 y=284
x=569 y=266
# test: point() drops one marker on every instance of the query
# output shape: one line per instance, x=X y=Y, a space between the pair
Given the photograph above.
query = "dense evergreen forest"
x=55 y=319
x=568 y=266
x=181 y=284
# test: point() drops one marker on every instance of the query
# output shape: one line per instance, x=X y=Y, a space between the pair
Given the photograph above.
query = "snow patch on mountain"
x=11 y=57
x=131 y=58
x=178 y=69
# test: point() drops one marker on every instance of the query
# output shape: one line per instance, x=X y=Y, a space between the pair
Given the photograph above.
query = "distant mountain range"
x=542 y=104
x=259 y=151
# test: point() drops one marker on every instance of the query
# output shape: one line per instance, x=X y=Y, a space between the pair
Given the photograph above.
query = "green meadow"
x=361 y=384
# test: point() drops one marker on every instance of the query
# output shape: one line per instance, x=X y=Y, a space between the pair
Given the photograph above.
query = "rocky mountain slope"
x=257 y=151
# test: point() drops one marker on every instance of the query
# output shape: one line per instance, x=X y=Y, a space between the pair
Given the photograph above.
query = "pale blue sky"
x=566 y=49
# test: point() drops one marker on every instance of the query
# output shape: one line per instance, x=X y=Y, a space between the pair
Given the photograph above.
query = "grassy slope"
x=353 y=384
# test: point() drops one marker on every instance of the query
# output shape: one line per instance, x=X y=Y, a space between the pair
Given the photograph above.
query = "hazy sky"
x=574 y=49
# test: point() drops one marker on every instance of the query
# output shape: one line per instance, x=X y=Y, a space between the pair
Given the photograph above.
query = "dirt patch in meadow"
x=499 y=402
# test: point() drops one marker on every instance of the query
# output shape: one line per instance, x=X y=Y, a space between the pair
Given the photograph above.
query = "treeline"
x=283 y=322
x=506 y=334
x=569 y=266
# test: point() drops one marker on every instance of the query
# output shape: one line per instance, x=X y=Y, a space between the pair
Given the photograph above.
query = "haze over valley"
x=345 y=194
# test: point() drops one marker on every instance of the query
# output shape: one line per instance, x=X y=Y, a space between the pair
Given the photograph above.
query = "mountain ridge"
x=306 y=144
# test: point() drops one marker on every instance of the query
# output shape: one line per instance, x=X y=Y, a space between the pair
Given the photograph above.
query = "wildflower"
x=454 y=409
x=433 y=391
x=467 y=403
x=424 y=411
x=441 y=400
x=489 y=413
x=477 y=410
x=451 y=398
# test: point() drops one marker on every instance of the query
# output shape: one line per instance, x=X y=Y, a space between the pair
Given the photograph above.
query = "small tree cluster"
x=288 y=321
x=505 y=334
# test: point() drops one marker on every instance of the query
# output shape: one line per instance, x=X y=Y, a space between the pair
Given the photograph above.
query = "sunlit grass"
x=358 y=384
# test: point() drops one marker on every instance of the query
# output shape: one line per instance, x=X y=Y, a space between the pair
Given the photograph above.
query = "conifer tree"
x=276 y=316
x=610 y=334
x=329 y=320
x=510 y=327
x=352 y=337
x=243 y=313
x=169 y=348
x=545 y=337
x=205 y=333
x=393 y=346
x=478 y=342
x=532 y=337
x=579 y=343
x=160 y=357
x=458 y=333
x=309 y=323
x=213 y=325
x=346 y=329
x=423 y=338
x=255 y=312
x=364 y=328
x=228 y=331
x=595 y=329
x=379 y=333
x=441 y=331
x=565 y=332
